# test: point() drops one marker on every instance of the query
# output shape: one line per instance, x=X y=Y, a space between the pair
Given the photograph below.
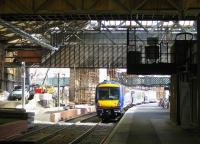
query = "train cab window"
x=103 y=93
x=114 y=93
x=109 y=93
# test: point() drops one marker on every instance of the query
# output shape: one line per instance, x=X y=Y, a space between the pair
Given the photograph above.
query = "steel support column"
x=2 y=61
x=198 y=69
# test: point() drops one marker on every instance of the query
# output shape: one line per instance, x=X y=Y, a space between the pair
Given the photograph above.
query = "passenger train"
x=112 y=99
x=138 y=96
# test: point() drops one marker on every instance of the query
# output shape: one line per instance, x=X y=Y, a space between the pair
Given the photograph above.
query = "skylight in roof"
x=186 y=23
x=123 y=25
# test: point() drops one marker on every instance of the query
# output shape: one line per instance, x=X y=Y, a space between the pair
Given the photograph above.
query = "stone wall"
x=82 y=85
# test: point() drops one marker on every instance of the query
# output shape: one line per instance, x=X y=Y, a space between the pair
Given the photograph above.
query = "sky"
x=40 y=72
x=102 y=75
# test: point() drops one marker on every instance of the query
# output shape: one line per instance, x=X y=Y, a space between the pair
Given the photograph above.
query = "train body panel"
x=108 y=103
x=151 y=95
x=128 y=100
x=138 y=96
x=111 y=99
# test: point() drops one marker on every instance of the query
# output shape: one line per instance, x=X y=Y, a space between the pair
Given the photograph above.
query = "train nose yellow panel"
x=108 y=103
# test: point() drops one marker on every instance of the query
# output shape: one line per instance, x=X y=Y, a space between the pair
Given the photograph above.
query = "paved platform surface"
x=150 y=124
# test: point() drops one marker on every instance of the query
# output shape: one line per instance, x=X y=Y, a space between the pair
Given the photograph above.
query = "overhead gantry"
x=98 y=9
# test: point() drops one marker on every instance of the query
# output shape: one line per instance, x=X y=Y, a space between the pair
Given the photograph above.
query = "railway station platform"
x=150 y=124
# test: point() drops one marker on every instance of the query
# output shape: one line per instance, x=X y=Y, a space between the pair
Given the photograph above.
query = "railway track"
x=95 y=135
x=89 y=130
x=68 y=135
x=39 y=135
x=83 y=118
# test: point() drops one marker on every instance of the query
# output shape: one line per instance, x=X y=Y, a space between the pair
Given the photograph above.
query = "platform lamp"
x=58 y=90
x=63 y=87
x=23 y=67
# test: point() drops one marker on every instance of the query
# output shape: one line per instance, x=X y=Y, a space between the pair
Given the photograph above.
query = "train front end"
x=109 y=100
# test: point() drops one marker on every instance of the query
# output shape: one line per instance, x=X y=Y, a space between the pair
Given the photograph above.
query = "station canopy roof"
x=45 y=32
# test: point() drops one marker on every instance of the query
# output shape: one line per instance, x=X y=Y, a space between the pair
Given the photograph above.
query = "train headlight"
x=98 y=104
x=118 y=104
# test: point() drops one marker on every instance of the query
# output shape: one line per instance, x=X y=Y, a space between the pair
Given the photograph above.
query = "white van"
x=16 y=94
